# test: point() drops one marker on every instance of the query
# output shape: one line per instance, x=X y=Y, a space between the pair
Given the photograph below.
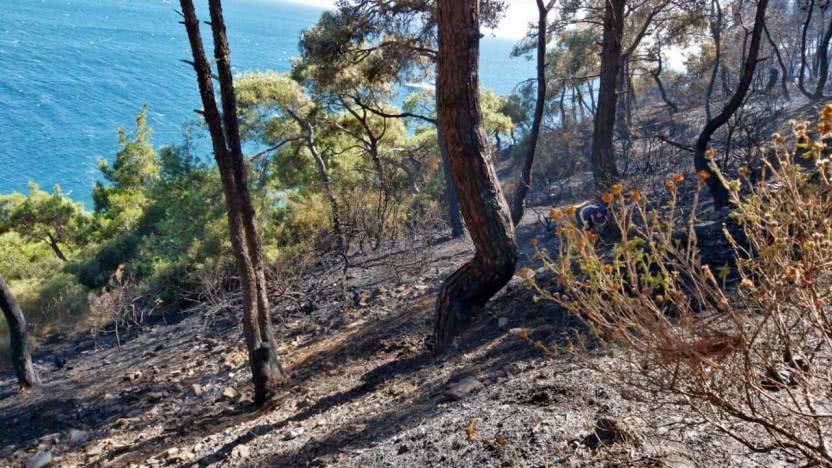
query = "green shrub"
x=20 y=259
x=50 y=304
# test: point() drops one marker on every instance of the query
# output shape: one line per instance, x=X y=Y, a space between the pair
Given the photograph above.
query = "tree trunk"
x=486 y=212
x=21 y=359
x=53 y=244
x=656 y=74
x=326 y=184
x=783 y=71
x=245 y=242
x=823 y=66
x=716 y=33
x=603 y=151
x=804 y=32
x=522 y=189
x=454 y=216
x=718 y=190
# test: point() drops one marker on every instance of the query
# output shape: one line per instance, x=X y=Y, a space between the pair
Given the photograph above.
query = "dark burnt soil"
x=365 y=388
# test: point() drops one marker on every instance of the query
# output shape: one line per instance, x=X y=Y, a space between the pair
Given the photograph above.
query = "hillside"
x=365 y=388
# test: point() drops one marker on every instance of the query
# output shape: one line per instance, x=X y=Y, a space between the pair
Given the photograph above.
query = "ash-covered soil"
x=365 y=390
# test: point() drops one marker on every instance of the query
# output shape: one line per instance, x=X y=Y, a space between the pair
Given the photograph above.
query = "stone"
x=230 y=393
x=610 y=431
x=293 y=433
x=463 y=388
x=519 y=332
x=50 y=439
x=77 y=437
x=40 y=459
x=197 y=388
x=241 y=451
x=95 y=450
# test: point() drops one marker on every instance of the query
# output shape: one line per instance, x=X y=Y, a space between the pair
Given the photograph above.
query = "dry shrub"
x=372 y=216
x=750 y=356
x=121 y=307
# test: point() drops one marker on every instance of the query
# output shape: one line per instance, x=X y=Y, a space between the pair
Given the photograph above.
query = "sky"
x=514 y=26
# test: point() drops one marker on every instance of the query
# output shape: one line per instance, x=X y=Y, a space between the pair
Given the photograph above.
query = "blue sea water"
x=73 y=71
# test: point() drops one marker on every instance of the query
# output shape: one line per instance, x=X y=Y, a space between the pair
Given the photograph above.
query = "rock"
x=502 y=322
x=40 y=459
x=230 y=393
x=234 y=359
x=463 y=388
x=241 y=451
x=50 y=439
x=172 y=453
x=610 y=431
x=123 y=423
x=777 y=379
x=95 y=450
x=132 y=376
x=519 y=332
x=197 y=388
x=77 y=437
x=293 y=433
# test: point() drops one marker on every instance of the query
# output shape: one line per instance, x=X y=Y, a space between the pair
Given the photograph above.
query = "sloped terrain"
x=365 y=388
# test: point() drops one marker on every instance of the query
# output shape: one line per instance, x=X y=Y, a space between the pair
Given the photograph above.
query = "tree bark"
x=21 y=357
x=603 y=151
x=522 y=189
x=454 y=215
x=718 y=190
x=486 y=212
x=245 y=241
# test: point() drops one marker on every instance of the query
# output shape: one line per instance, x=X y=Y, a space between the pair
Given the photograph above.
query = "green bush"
x=53 y=303
x=20 y=259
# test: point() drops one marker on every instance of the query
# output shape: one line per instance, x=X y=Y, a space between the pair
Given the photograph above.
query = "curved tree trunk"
x=486 y=212
x=245 y=242
x=21 y=358
x=784 y=72
x=801 y=84
x=522 y=189
x=656 y=74
x=603 y=151
x=718 y=190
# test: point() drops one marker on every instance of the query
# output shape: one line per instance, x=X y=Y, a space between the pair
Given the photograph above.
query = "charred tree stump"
x=21 y=357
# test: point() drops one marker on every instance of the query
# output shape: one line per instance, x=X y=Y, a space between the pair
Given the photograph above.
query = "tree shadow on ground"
x=496 y=353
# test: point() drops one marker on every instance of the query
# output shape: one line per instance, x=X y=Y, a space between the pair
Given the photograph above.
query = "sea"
x=73 y=71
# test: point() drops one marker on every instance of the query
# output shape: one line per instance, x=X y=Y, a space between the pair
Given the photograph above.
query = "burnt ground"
x=365 y=388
